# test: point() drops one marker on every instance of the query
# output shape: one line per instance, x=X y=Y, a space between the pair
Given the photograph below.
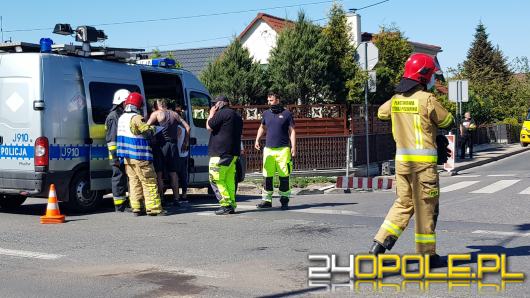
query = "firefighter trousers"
x=222 y=172
x=277 y=160
x=119 y=184
x=142 y=186
x=417 y=193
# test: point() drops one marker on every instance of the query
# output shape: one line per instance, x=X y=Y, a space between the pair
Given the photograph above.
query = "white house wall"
x=260 y=40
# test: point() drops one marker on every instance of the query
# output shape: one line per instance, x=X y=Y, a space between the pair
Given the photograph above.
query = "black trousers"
x=119 y=181
x=466 y=141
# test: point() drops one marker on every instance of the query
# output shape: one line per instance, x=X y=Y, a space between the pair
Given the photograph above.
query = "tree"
x=298 y=65
x=484 y=62
x=344 y=75
x=492 y=94
x=394 y=50
x=236 y=75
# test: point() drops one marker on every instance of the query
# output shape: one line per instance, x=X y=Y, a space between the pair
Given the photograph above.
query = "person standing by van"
x=224 y=147
x=134 y=149
x=119 y=178
x=277 y=154
x=167 y=139
x=183 y=145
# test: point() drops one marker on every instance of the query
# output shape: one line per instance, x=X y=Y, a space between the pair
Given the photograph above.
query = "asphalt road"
x=193 y=252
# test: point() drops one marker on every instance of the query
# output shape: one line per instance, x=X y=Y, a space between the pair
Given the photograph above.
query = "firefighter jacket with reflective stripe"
x=416 y=117
x=111 y=130
x=133 y=134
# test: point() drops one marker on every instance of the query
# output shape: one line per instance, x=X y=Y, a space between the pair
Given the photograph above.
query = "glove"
x=443 y=152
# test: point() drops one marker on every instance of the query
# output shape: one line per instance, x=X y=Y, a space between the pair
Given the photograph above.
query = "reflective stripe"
x=416 y=155
x=135 y=154
x=118 y=201
x=392 y=228
x=418 y=132
x=416 y=158
x=447 y=121
x=424 y=152
x=112 y=147
x=425 y=238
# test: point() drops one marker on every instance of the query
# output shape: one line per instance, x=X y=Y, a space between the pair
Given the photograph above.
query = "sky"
x=181 y=24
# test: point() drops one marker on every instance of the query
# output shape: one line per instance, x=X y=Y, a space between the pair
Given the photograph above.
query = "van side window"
x=163 y=85
x=101 y=95
x=200 y=107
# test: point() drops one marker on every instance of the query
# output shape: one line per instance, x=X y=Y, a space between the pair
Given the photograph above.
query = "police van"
x=53 y=106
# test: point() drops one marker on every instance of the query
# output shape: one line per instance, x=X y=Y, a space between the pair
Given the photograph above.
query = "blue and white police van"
x=53 y=106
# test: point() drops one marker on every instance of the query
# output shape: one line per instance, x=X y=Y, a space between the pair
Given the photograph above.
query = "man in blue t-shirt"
x=277 y=154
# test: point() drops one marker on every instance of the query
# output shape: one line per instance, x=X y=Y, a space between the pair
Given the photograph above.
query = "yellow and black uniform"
x=416 y=116
x=134 y=149
x=277 y=152
x=224 y=147
x=119 y=178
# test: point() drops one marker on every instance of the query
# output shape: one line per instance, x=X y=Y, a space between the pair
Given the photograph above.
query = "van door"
x=101 y=79
x=199 y=108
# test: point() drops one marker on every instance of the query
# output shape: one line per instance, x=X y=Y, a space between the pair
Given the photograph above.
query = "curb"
x=488 y=160
x=365 y=183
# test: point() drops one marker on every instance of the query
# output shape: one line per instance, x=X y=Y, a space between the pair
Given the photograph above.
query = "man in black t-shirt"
x=226 y=127
x=467 y=127
x=279 y=124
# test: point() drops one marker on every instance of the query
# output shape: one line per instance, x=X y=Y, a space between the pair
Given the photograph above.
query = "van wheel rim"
x=83 y=194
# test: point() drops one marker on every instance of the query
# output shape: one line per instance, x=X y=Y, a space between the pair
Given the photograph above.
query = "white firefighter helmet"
x=120 y=96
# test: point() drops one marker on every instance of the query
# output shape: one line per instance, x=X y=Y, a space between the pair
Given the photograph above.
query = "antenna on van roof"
x=84 y=34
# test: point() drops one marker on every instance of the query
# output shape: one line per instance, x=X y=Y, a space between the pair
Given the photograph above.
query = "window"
x=162 y=85
x=101 y=96
x=200 y=107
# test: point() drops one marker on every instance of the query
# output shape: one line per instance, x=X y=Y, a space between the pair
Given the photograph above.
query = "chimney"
x=354 y=21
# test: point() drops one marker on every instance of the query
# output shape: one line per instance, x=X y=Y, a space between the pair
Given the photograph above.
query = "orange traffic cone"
x=53 y=215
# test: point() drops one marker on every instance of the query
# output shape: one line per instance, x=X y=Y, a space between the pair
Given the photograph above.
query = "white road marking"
x=309 y=210
x=525 y=192
x=206 y=213
x=458 y=185
x=501 y=233
x=29 y=254
x=502 y=175
x=495 y=187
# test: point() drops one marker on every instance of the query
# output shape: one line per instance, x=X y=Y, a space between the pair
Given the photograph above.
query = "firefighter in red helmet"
x=134 y=149
x=416 y=116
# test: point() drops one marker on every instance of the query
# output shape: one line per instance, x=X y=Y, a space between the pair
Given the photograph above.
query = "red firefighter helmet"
x=136 y=99
x=420 y=67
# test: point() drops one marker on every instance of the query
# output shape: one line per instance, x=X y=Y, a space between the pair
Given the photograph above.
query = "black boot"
x=264 y=205
x=377 y=248
x=225 y=210
x=285 y=202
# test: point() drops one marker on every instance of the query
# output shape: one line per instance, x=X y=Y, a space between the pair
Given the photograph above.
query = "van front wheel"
x=8 y=202
x=81 y=198
x=524 y=144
